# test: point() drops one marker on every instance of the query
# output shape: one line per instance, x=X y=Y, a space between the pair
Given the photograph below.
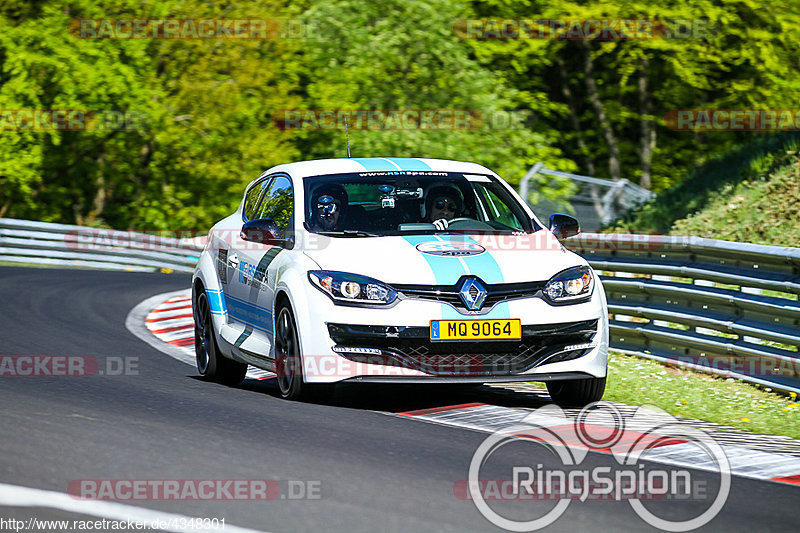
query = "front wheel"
x=289 y=362
x=576 y=392
x=210 y=363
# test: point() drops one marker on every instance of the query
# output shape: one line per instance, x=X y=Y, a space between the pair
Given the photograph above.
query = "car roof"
x=322 y=167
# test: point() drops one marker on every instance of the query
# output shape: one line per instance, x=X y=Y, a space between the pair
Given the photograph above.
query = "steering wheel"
x=468 y=224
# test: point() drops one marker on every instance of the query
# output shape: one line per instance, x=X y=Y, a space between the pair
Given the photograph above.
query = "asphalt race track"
x=367 y=469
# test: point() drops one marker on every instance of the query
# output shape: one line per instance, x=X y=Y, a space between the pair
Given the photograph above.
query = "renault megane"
x=397 y=270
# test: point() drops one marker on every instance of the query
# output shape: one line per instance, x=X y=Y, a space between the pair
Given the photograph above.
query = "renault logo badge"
x=472 y=293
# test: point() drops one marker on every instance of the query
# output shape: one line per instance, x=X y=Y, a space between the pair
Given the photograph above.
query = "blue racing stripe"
x=374 y=164
x=486 y=267
x=483 y=265
x=446 y=270
x=216 y=301
x=409 y=163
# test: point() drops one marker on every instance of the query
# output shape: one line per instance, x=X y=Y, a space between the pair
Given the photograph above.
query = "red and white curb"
x=165 y=321
x=172 y=322
x=744 y=461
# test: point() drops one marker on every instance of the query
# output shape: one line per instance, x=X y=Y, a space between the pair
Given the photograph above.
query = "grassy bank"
x=750 y=185
x=764 y=210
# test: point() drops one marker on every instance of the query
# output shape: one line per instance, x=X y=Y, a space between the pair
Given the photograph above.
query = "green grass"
x=637 y=381
x=685 y=393
x=722 y=176
x=763 y=211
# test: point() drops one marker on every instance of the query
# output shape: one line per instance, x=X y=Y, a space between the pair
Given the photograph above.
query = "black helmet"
x=448 y=190
x=331 y=189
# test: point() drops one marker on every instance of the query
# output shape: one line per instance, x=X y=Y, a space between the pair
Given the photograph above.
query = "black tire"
x=289 y=362
x=211 y=364
x=576 y=392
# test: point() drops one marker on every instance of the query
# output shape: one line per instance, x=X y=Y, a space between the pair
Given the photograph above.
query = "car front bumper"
x=392 y=344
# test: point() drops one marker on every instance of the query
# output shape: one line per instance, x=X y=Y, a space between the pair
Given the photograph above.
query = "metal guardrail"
x=595 y=202
x=723 y=307
x=44 y=243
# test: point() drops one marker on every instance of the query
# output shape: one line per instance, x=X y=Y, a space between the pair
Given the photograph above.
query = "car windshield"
x=410 y=202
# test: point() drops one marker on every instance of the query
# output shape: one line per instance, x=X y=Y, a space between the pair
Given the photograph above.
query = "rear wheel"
x=289 y=362
x=576 y=392
x=210 y=363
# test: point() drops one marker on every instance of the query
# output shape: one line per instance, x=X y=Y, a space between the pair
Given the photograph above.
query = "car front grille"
x=449 y=294
x=411 y=347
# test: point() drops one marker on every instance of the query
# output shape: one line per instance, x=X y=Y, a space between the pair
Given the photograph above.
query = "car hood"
x=442 y=259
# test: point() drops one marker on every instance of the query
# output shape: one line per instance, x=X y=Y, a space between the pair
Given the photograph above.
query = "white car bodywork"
x=246 y=281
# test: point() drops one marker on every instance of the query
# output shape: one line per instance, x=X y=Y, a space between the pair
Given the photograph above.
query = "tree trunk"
x=648 y=131
x=573 y=117
x=597 y=202
x=99 y=201
x=142 y=177
x=605 y=124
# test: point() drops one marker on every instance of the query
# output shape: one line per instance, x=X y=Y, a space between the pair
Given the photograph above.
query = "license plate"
x=468 y=330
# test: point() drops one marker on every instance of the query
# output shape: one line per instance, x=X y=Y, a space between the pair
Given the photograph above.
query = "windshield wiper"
x=351 y=233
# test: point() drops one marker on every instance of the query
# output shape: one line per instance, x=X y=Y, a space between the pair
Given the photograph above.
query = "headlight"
x=570 y=286
x=352 y=289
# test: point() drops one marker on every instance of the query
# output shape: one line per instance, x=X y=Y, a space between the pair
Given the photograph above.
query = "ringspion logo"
x=636 y=477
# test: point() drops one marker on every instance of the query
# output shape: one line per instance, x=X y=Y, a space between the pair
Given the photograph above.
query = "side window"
x=499 y=211
x=278 y=203
x=251 y=200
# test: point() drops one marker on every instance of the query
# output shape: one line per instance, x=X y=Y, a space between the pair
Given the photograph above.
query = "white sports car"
x=397 y=270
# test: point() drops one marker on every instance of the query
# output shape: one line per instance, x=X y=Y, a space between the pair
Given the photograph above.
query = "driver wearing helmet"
x=443 y=203
x=328 y=206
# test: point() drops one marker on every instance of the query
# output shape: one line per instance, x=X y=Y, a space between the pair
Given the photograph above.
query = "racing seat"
x=355 y=218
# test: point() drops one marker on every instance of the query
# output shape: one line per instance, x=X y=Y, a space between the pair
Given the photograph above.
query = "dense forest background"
x=204 y=111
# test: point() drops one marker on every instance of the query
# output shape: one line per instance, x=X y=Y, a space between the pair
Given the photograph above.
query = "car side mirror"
x=564 y=226
x=263 y=231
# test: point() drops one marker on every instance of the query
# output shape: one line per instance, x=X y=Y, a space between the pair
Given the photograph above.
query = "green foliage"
x=764 y=210
x=748 y=58
x=202 y=126
x=718 y=179
x=403 y=54
x=203 y=111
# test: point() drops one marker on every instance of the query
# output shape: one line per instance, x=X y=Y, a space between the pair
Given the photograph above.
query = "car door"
x=230 y=247
x=252 y=290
